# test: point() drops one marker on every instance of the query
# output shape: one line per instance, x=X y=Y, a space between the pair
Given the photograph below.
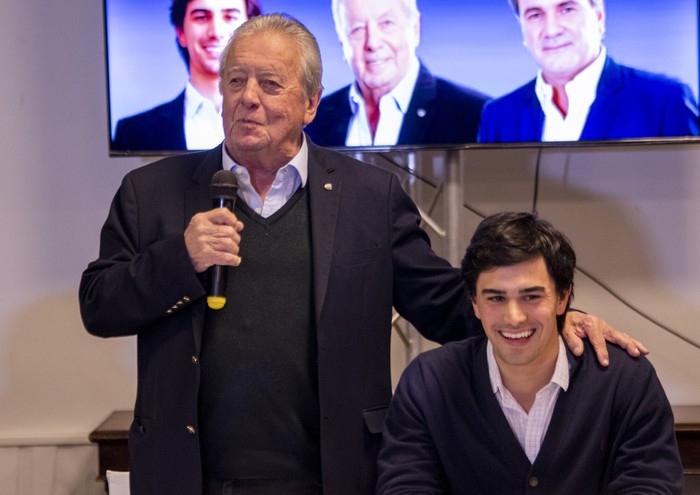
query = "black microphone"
x=223 y=189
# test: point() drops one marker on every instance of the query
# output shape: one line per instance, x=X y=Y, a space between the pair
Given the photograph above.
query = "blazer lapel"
x=531 y=116
x=324 y=199
x=605 y=109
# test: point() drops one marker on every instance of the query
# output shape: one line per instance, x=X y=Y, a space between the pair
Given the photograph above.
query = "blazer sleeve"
x=409 y=461
x=647 y=459
x=143 y=272
x=428 y=291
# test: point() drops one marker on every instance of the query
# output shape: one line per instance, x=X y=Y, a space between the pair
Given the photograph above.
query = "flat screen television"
x=474 y=43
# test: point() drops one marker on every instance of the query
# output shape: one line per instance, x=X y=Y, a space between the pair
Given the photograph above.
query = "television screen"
x=468 y=54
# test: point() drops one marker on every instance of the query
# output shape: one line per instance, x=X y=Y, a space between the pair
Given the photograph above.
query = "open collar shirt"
x=581 y=92
x=530 y=428
x=204 y=128
x=392 y=108
x=288 y=179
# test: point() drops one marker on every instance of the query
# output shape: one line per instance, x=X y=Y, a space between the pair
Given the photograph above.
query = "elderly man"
x=580 y=93
x=513 y=412
x=191 y=121
x=394 y=99
x=284 y=389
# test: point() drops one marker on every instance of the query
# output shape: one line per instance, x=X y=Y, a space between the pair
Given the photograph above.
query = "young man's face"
x=518 y=307
x=379 y=39
x=207 y=26
x=563 y=36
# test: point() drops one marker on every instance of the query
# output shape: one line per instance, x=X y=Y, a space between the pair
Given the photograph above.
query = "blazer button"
x=533 y=482
x=195 y=360
x=191 y=430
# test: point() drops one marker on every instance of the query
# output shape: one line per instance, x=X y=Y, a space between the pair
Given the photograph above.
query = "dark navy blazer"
x=161 y=128
x=365 y=260
x=440 y=112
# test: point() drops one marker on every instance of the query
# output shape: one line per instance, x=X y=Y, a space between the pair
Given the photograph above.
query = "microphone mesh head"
x=223 y=185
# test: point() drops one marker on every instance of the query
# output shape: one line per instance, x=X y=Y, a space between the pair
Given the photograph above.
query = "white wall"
x=632 y=214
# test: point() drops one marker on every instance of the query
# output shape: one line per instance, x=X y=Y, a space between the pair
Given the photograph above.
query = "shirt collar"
x=581 y=90
x=560 y=376
x=401 y=94
x=194 y=101
x=300 y=161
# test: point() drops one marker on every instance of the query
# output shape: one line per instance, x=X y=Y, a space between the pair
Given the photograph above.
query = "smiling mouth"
x=519 y=335
x=214 y=50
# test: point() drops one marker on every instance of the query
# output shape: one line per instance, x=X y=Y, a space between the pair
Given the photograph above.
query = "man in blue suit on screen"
x=395 y=99
x=580 y=93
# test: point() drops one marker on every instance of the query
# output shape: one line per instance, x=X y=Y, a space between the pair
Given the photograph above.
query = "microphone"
x=223 y=189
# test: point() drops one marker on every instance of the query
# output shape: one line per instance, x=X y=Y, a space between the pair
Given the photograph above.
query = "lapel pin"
x=328 y=186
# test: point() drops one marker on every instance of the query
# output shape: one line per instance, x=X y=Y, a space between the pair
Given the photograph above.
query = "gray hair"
x=310 y=68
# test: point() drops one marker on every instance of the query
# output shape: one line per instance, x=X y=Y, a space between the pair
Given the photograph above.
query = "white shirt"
x=204 y=128
x=392 y=108
x=288 y=179
x=581 y=91
x=530 y=428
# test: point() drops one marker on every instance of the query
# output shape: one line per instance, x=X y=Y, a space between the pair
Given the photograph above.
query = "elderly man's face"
x=563 y=36
x=264 y=107
x=207 y=26
x=379 y=40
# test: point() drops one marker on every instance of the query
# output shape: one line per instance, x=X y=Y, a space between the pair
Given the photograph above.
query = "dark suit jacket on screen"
x=369 y=253
x=629 y=104
x=159 y=129
x=440 y=112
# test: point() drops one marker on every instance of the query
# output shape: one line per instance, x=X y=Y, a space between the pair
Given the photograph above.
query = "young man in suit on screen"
x=192 y=120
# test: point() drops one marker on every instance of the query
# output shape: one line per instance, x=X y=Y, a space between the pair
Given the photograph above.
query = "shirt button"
x=258 y=210
x=533 y=482
x=191 y=430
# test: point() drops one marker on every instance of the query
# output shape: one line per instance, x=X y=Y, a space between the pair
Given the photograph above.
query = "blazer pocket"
x=359 y=257
x=374 y=418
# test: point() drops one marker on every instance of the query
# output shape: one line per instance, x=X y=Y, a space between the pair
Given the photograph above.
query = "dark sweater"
x=611 y=431
x=259 y=395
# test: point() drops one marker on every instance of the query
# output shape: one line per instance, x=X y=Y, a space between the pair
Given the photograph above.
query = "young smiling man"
x=192 y=120
x=514 y=411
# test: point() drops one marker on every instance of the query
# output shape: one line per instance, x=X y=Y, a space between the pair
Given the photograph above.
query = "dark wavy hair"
x=508 y=238
x=178 y=9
